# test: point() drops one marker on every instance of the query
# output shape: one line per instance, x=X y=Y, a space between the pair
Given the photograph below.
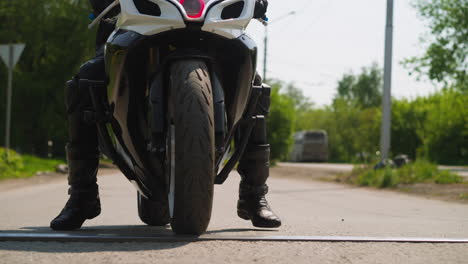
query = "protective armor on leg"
x=254 y=170
x=82 y=151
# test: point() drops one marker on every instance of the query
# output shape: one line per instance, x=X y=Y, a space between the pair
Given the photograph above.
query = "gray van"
x=310 y=146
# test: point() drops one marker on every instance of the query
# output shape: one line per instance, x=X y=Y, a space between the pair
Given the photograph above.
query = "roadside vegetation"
x=432 y=127
x=412 y=173
x=23 y=166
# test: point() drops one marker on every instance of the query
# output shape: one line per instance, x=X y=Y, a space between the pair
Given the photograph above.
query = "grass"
x=463 y=196
x=33 y=164
x=23 y=166
x=417 y=172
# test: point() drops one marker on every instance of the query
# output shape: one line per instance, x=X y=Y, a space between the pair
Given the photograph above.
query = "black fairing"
x=133 y=61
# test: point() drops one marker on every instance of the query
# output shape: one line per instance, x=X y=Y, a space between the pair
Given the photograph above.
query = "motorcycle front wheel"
x=191 y=107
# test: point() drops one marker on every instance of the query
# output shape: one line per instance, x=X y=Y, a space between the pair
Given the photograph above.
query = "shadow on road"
x=125 y=234
x=83 y=247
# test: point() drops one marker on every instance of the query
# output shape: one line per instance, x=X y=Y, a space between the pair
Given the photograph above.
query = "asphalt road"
x=307 y=208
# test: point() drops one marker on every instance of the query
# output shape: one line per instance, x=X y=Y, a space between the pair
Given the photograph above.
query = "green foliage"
x=17 y=166
x=418 y=172
x=363 y=90
x=57 y=41
x=445 y=59
x=408 y=123
x=445 y=134
x=366 y=176
x=353 y=132
x=300 y=101
x=446 y=177
x=434 y=127
x=10 y=163
x=353 y=120
x=280 y=123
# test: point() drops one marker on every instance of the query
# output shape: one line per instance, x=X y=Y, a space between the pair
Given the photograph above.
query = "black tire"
x=192 y=112
x=153 y=213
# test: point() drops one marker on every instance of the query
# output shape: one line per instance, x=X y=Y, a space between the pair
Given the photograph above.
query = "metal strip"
x=67 y=237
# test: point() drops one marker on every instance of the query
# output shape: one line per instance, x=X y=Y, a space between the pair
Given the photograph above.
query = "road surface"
x=307 y=208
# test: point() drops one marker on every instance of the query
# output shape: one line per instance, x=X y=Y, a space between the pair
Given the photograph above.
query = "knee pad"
x=77 y=99
x=263 y=103
x=71 y=96
x=93 y=69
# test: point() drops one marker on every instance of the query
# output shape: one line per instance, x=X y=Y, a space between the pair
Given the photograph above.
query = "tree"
x=364 y=89
x=445 y=59
x=57 y=41
x=280 y=122
x=301 y=102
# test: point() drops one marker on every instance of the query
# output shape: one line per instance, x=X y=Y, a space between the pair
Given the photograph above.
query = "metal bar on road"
x=118 y=238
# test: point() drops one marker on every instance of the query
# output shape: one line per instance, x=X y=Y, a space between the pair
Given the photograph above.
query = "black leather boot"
x=84 y=200
x=252 y=204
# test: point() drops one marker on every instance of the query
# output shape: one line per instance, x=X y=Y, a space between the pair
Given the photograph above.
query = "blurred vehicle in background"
x=310 y=145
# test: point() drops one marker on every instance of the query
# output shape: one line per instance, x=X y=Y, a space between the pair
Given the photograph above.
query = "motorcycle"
x=179 y=93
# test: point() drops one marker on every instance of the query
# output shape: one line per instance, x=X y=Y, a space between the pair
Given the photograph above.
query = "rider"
x=83 y=153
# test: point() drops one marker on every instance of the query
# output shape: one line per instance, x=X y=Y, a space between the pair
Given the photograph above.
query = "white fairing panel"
x=130 y=19
x=173 y=16
x=229 y=28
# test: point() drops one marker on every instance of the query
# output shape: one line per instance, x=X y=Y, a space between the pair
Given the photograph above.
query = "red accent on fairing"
x=200 y=12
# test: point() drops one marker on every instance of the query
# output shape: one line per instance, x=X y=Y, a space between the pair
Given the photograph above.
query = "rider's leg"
x=254 y=170
x=82 y=151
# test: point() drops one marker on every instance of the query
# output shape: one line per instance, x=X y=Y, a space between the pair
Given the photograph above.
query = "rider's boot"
x=84 y=200
x=82 y=152
x=254 y=170
x=252 y=204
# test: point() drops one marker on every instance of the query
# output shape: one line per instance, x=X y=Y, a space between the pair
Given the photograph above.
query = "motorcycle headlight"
x=194 y=8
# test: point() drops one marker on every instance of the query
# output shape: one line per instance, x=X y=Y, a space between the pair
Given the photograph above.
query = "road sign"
x=11 y=53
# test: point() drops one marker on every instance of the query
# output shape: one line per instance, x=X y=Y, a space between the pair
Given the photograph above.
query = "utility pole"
x=265 y=51
x=387 y=94
x=265 y=41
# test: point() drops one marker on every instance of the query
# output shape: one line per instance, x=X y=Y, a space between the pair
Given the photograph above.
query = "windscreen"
x=314 y=136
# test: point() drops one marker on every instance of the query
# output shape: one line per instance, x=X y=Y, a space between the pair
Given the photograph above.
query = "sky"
x=328 y=38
